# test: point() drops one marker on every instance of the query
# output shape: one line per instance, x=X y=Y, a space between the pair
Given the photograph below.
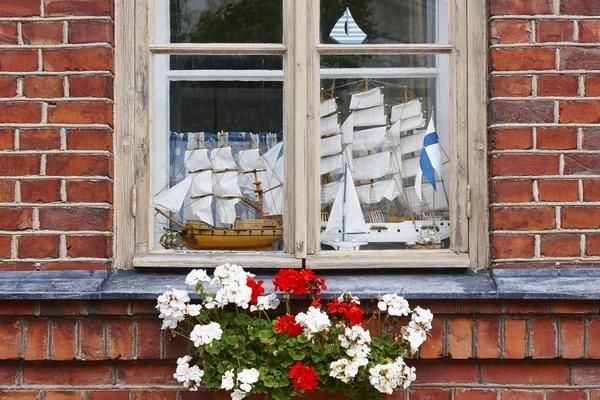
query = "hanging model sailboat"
x=346 y=31
x=213 y=182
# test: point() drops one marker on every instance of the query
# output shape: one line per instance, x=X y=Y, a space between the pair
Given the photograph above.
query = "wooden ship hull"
x=258 y=234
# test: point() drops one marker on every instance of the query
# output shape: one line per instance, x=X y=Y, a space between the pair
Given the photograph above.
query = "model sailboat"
x=213 y=182
x=346 y=31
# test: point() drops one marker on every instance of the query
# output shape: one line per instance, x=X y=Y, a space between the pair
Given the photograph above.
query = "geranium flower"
x=304 y=377
x=299 y=282
x=287 y=324
x=313 y=284
x=350 y=310
x=256 y=287
x=316 y=302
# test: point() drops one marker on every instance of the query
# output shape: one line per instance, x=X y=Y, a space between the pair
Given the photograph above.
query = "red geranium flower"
x=316 y=302
x=304 y=377
x=350 y=310
x=287 y=324
x=313 y=284
x=299 y=282
x=256 y=287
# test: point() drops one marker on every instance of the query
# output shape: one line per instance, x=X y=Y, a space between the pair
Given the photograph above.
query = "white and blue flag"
x=431 y=159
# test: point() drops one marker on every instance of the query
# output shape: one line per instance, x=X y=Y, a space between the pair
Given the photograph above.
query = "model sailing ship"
x=216 y=183
x=381 y=161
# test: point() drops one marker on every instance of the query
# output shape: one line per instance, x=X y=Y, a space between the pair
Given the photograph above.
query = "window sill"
x=210 y=259
x=576 y=284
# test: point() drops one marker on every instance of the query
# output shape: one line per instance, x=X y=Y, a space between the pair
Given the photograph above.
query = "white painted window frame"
x=142 y=77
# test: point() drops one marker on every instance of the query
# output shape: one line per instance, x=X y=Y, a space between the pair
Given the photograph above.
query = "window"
x=290 y=133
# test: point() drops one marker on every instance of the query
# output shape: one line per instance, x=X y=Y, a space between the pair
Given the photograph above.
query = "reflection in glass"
x=226 y=21
x=380 y=189
x=225 y=185
x=238 y=62
x=387 y=21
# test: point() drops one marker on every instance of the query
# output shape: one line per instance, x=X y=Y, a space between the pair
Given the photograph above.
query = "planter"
x=315 y=395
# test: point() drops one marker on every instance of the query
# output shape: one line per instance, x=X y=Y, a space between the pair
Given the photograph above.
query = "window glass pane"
x=375 y=123
x=222 y=183
x=384 y=21
x=219 y=21
x=184 y=62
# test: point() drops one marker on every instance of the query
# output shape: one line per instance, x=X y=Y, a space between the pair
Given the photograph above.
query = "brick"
x=89 y=139
x=527 y=307
x=187 y=395
x=96 y=112
x=8 y=33
x=144 y=307
x=91 y=32
x=554 y=31
x=175 y=346
x=110 y=395
x=593 y=245
x=45 y=191
x=74 y=266
x=511 y=139
x=38 y=246
x=89 y=246
x=108 y=307
x=79 y=59
x=593 y=345
x=148 y=338
x=566 y=395
x=521 y=7
x=517 y=112
x=435 y=306
x=19 y=395
x=595 y=394
x=510 y=86
x=42 y=33
x=92 y=340
x=460 y=338
x=145 y=374
x=515 y=336
x=19 y=165
x=587 y=112
x=64 y=395
x=154 y=395
x=120 y=340
x=15 y=219
x=579 y=7
x=571 y=338
x=39 y=139
x=509 y=394
x=23 y=8
x=61 y=307
x=43 y=86
x=572 y=306
x=558 y=190
x=78 y=7
x=7 y=139
x=36 y=340
x=7 y=191
x=18 y=60
x=20 y=112
x=90 y=191
x=511 y=191
x=67 y=374
x=512 y=246
x=10 y=336
x=434 y=345
x=522 y=164
x=446 y=372
x=589 y=31
x=474 y=394
x=487 y=338
x=582 y=164
x=17 y=265
x=543 y=338
x=91 y=86
x=8 y=88
x=534 y=58
x=575 y=58
x=77 y=165
x=430 y=394
x=5 y=244
x=76 y=219
x=580 y=217
x=511 y=31
x=592 y=85
x=64 y=340
x=523 y=373
x=523 y=219
x=558 y=85
x=560 y=245
x=586 y=374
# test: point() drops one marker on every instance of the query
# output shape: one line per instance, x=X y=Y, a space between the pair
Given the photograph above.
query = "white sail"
x=202 y=184
x=222 y=159
x=409 y=143
x=330 y=125
x=377 y=191
x=370 y=117
x=410 y=167
x=368 y=139
x=403 y=125
x=331 y=145
x=430 y=199
x=226 y=210
x=328 y=107
x=225 y=184
x=372 y=166
x=346 y=31
x=201 y=208
x=346 y=209
x=348 y=129
x=329 y=164
x=328 y=192
x=196 y=159
x=366 y=99
x=172 y=198
x=273 y=201
x=406 y=110
x=250 y=160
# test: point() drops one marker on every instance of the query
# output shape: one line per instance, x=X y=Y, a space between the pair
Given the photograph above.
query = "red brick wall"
x=56 y=116
x=544 y=139
x=478 y=349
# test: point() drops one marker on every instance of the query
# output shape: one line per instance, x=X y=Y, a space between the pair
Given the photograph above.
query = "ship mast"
x=257 y=183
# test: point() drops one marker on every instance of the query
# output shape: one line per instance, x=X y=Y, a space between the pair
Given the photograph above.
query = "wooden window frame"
x=301 y=50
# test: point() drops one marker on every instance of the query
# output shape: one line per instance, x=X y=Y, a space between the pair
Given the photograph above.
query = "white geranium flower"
x=209 y=302
x=197 y=276
x=172 y=307
x=422 y=317
x=228 y=273
x=348 y=298
x=193 y=309
x=205 y=334
x=343 y=369
x=313 y=321
x=415 y=335
x=248 y=375
x=238 y=394
x=190 y=377
x=227 y=382
x=263 y=303
x=395 y=305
